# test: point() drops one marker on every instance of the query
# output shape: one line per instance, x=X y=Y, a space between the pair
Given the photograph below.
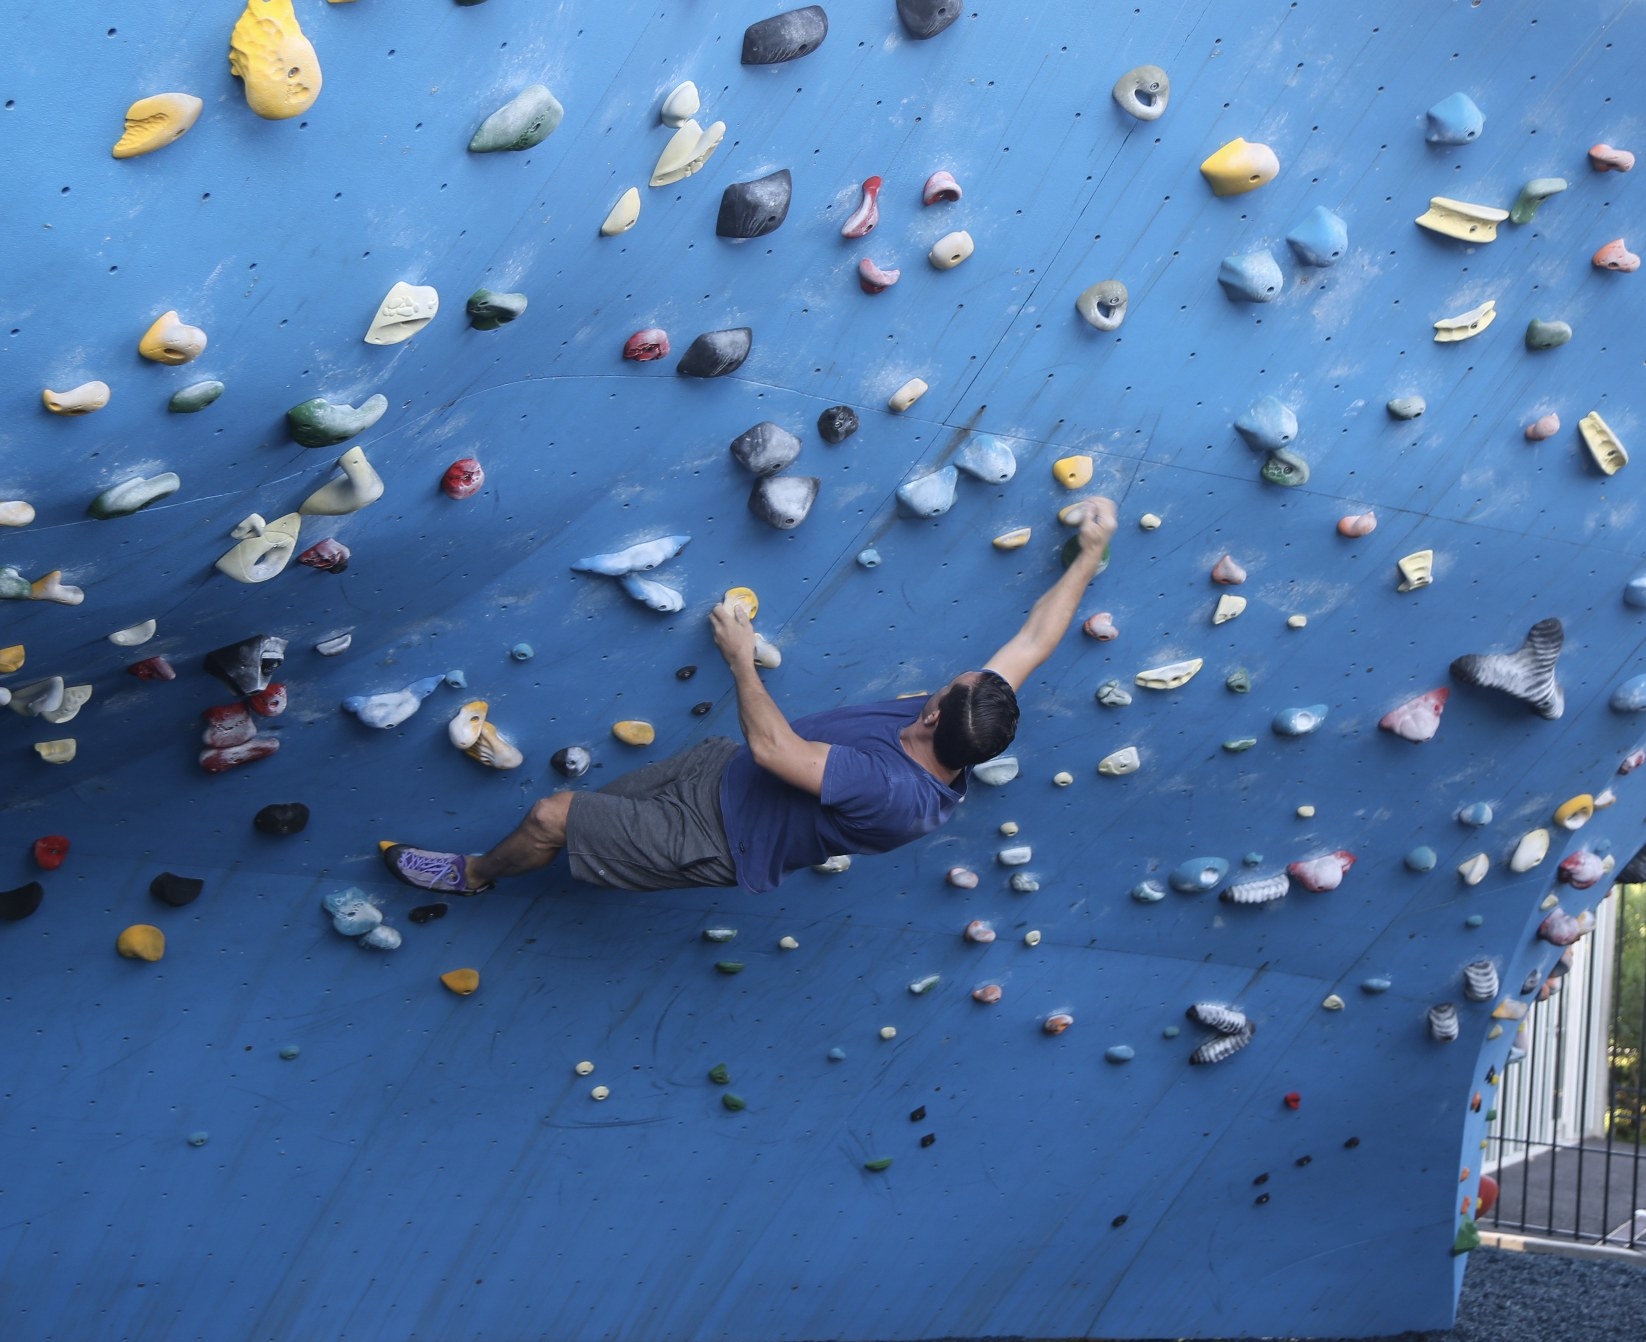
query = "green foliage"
x=1629 y=1016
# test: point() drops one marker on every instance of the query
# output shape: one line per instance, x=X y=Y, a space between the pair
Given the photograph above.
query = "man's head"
x=977 y=719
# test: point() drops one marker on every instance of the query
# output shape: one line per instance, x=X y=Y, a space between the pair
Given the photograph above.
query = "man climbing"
x=860 y=779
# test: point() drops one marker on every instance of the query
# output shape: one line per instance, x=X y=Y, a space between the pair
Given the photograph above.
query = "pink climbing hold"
x=1563 y=929
x=1227 y=572
x=1582 y=869
x=644 y=346
x=962 y=878
x=270 y=702
x=979 y=931
x=873 y=279
x=218 y=760
x=1321 y=873
x=463 y=479
x=1357 y=524
x=1101 y=627
x=1615 y=256
x=328 y=555
x=1632 y=761
x=988 y=994
x=152 y=668
x=867 y=214
x=1603 y=158
x=940 y=186
x=1545 y=426
x=1416 y=719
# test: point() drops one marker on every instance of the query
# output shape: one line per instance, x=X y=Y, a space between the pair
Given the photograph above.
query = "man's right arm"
x=775 y=745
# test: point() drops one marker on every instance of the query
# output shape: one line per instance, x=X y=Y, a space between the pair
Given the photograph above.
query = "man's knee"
x=548 y=817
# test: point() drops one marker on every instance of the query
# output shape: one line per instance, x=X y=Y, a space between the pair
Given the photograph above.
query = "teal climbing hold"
x=195 y=396
x=1421 y=858
x=528 y=119
x=1119 y=1053
x=1455 y=120
x=1252 y=278
x=1199 y=875
x=1320 y=239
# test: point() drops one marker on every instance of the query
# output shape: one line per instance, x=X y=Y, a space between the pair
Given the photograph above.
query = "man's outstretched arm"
x=1049 y=617
x=775 y=745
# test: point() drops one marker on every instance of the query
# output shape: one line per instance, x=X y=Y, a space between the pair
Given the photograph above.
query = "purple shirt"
x=875 y=797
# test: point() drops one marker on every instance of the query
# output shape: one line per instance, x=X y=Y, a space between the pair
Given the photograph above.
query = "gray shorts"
x=658 y=828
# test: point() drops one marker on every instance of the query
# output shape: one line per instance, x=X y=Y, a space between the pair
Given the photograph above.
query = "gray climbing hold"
x=716 y=353
x=1148 y=892
x=1103 y=305
x=927 y=18
x=1285 y=468
x=783 y=501
x=637 y=558
x=996 y=772
x=289 y=1051
x=1119 y=1053
x=836 y=424
x=869 y=558
x=1533 y=194
x=527 y=120
x=929 y=495
x=1320 y=239
x=487 y=310
x=1143 y=92
x=1239 y=680
x=1546 y=335
x=1268 y=426
x=988 y=459
x=785 y=37
x=649 y=592
x=1406 y=407
x=1527 y=674
x=1373 y=986
x=1112 y=694
x=756 y=208
x=1299 y=721
x=1475 y=814
x=571 y=761
x=195 y=396
x=1630 y=696
x=133 y=495
x=1634 y=592
x=1252 y=278
x=1024 y=884
x=765 y=449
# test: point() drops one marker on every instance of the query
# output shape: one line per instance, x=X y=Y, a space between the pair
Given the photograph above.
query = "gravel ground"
x=1529 y=1297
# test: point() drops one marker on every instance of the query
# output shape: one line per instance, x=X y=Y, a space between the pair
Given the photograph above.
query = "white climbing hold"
x=622 y=216
x=681 y=105
x=1170 y=676
x=1530 y=851
x=1473 y=869
x=405 y=310
x=1229 y=607
x=1120 y=762
x=996 y=772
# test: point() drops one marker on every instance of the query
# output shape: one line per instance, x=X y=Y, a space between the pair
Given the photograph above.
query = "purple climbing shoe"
x=429 y=870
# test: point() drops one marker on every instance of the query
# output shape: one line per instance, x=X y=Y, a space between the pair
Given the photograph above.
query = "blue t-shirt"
x=875 y=797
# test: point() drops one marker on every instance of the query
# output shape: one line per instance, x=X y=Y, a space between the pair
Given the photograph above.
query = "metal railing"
x=1565 y=1145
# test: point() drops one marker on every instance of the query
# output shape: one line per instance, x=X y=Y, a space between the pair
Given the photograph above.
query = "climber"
x=860 y=779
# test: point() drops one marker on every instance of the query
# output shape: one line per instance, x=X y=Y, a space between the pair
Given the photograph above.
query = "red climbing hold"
x=463 y=479
x=644 y=346
x=152 y=668
x=1488 y=1195
x=328 y=555
x=270 y=702
x=215 y=761
x=228 y=725
x=1293 y=1100
x=49 y=851
x=867 y=214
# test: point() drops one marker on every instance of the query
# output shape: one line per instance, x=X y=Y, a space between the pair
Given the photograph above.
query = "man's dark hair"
x=977 y=721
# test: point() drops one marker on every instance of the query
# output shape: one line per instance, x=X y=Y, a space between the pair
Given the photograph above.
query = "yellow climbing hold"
x=1240 y=166
x=634 y=732
x=1462 y=220
x=1416 y=570
x=171 y=340
x=268 y=51
x=1449 y=330
x=153 y=123
x=623 y=215
x=11 y=659
x=1332 y=1002
x=141 y=942
x=461 y=981
x=56 y=752
x=742 y=596
x=1576 y=812
x=1604 y=446
x=1015 y=539
x=81 y=400
x=1073 y=472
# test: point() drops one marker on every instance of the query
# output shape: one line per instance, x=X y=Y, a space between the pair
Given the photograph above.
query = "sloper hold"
x=155 y=122
x=1240 y=166
x=405 y=310
x=1527 y=674
x=133 y=495
x=988 y=459
x=716 y=353
x=528 y=119
x=1254 y=277
x=1320 y=239
x=195 y=396
x=360 y=485
x=622 y=216
x=929 y=495
x=837 y=423
x=1546 y=335
x=927 y=18
x=755 y=208
x=1455 y=120
x=267 y=49
x=783 y=501
x=322 y=423
x=765 y=449
x=785 y=37
x=1143 y=92
x=1269 y=425
x=488 y=310
x=680 y=105
x=635 y=558
x=688 y=150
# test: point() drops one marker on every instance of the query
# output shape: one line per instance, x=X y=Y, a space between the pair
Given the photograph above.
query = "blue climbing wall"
x=429 y=1165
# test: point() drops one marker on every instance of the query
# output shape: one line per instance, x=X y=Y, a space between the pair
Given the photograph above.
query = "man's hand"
x=1097 y=527
x=733 y=634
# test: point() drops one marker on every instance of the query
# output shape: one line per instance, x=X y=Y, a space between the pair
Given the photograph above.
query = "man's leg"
x=534 y=843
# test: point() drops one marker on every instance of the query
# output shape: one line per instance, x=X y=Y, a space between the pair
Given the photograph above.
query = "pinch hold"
x=860 y=223
x=874 y=279
x=755 y=208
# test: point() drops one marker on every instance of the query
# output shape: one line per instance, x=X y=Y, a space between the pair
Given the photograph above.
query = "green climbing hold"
x=195 y=396
x=1468 y=1237
x=729 y=966
x=488 y=310
x=719 y=1075
x=1284 y=467
x=736 y=1103
x=1239 y=680
x=1546 y=335
x=132 y=495
x=320 y=423
x=528 y=120
x=1533 y=194
x=884 y=1163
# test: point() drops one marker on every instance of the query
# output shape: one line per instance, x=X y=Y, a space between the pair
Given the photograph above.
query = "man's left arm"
x=775 y=745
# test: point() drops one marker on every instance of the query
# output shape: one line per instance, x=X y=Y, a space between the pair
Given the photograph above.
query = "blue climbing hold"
x=1421 y=858
x=929 y=495
x=1474 y=920
x=837 y=1054
x=1299 y=721
x=521 y=652
x=1321 y=239
x=1634 y=594
x=1377 y=985
x=1268 y=426
x=988 y=459
x=1475 y=814
x=1119 y=1053
x=1148 y=892
x=1455 y=120
x=1199 y=875
x=1252 y=278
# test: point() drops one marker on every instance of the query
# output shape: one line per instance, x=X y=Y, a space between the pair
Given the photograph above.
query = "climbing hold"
x=1573 y=813
x=195 y=396
x=81 y=400
x=1285 y=468
x=1228 y=571
x=1103 y=305
x=49 y=851
x=1148 y=892
x=1533 y=194
x=50 y=700
x=787 y=944
x=1406 y=407
x=1120 y=762
x=1563 y=929
x=527 y=119
x=1008 y=828
x=16 y=513
x=873 y=279
x=681 y=104
x=1057 y=1022
x=1443 y=1022
x=1615 y=256
x=1263 y=891
x=56 y=752
x=1320 y=239
x=1020 y=856
x=405 y=310
x=282 y=819
x=1545 y=427
x=321 y=423
x=1199 y=875
x=1630 y=696
x=688 y=149
x=141 y=942
x=1421 y=858
x=171 y=340
x=264 y=550
x=996 y=772
x=1063 y=778
x=1112 y=695
x=1464 y=221
x=1143 y=92
x=268 y=51
x=1449 y=330
x=1527 y=674
x=783 y=501
x=1416 y=570
x=1270 y=424
x=1169 y=676
x=1605 y=448
x=1546 y=335
x=352 y=913
x=765 y=449
x=987 y=458
x=472 y=733
x=1454 y=120
x=1254 y=277
x=1023 y=883
x=925 y=984
x=393 y=707
x=1148 y=522
x=1234 y=1031
x=927 y=18
x=1373 y=986
x=461 y=981
x=729 y=966
x=1101 y=626
x=1235 y=745
x=636 y=558
x=928 y=495
x=1299 y=721
x=1417 y=719
x=833 y=866
x=744 y=597
x=1238 y=167
x=622 y=216
x=600 y=1093
x=1321 y=874
x=1332 y=1002
x=334 y=646
x=1118 y=1053
x=155 y=122
x=716 y=353
x=462 y=479
x=1530 y=851
x=359 y=486
x=1239 y=680
x=785 y=37
x=571 y=761
x=1603 y=158
x=1474 y=920
x=1074 y=472
x=174 y=890
x=950 y=250
x=488 y=310
x=658 y=596
x=18 y=904
x=836 y=424
x=962 y=878
x=860 y=223
x=634 y=732
x=1473 y=869
x=755 y=208
x=1480 y=983
x=132 y=495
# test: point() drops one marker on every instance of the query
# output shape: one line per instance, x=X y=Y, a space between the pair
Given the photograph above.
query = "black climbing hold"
x=16 y=905
x=1261 y=1179
x=1303 y=1160
x=427 y=913
x=1262 y=1198
x=719 y=1075
x=249 y=664
x=282 y=818
x=176 y=890
x=1119 y=1221
x=571 y=761
x=488 y=310
x=1352 y=1143
x=755 y=208
x=716 y=353
x=927 y=18
x=785 y=37
x=783 y=501
x=918 y=1114
x=698 y=710
x=765 y=449
x=685 y=673
x=837 y=423
x=927 y=1140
